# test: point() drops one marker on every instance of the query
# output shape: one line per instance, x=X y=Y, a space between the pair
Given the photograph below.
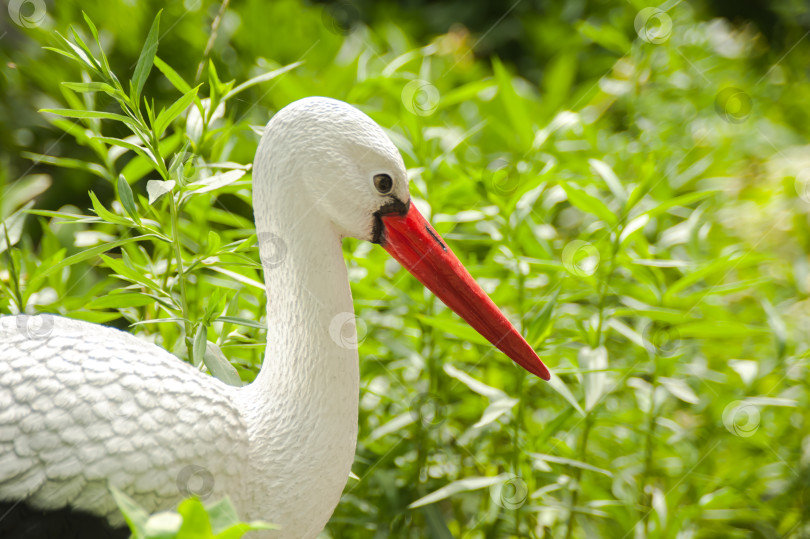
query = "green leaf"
x=711 y=329
x=678 y=388
x=200 y=338
x=92 y=252
x=222 y=515
x=127 y=200
x=93 y=114
x=241 y=322
x=610 y=178
x=778 y=328
x=106 y=214
x=140 y=165
x=90 y=87
x=146 y=59
x=589 y=204
x=165 y=118
x=196 y=523
x=172 y=75
x=436 y=523
x=79 y=54
x=540 y=327
x=157 y=188
x=143 y=152
x=219 y=366
x=570 y=462
x=596 y=361
x=80 y=42
x=225 y=522
x=130 y=274
x=456 y=330
x=22 y=191
x=556 y=383
x=260 y=78
x=67 y=162
x=606 y=36
x=135 y=515
x=120 y=301
x=514 y=105
x=683 y=200
x=462 y=485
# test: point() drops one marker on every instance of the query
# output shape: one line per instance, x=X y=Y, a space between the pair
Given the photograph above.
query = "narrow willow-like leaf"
x=513 y=103
x=145 y=152
x=90 y=87
x=682 y=200
x=146 y=59
x=462 y=485
x=67 y=162
x=166 y=117
x=200 y=338
x=241 y=322
x=92 y=253
x=589 y=204
x=218 y=365
x=80 y=42
x=93 y=114
x=105 y=65
x=122 y=269
x=107 y=215
x=127 y=200
x=135 y=515
x=81 y=56
x=261 y=78
x=172 y=75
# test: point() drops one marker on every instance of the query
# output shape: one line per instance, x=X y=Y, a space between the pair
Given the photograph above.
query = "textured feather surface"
x=83 y=406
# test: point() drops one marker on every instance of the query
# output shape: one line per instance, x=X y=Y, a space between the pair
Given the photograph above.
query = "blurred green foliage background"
x=631 y=182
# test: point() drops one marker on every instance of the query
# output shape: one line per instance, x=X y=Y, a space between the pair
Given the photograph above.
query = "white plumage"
x=83 y=406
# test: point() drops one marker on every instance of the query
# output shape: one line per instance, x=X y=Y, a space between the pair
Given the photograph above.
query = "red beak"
x=413 y=243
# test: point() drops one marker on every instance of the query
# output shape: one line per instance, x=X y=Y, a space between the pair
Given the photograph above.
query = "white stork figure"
x=84 y=406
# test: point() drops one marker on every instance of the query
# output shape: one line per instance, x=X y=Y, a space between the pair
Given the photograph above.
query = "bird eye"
x=383 y=183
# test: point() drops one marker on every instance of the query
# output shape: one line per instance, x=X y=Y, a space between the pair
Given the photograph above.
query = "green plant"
x=192 y=520
x=640 y=208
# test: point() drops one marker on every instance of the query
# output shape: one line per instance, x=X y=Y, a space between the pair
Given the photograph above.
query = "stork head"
x=354 y=174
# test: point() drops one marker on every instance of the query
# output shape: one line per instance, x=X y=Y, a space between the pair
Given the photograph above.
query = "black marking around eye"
x=436 y=238
x=394 y=206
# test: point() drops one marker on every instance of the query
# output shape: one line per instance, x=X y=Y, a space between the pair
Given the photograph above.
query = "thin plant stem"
x=597 y=341
x=12 y=268
x=643 y=498
x=181 y=276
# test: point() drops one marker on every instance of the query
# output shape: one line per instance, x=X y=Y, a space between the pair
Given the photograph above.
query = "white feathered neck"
x=301 y=410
